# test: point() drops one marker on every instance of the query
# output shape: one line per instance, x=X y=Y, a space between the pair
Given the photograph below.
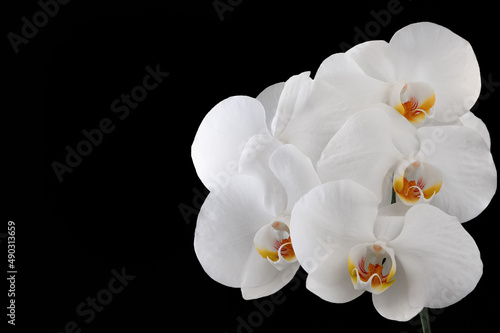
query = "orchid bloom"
x=291 y=112
x=242 y=236
x=279 y=115
x=450 y=167
x=425 y=72
x=348 y=246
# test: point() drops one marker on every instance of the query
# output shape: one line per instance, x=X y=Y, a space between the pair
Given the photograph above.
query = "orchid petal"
x=466 y=163
x=361 y=151
x=325 y=224
x=265 y=282
x=472 y=121
x=269 y=99
x=290 y=96
x=441 y=260
x=394 y=303
x=388 y=227
x=295 y=172
x=395 y=209
x=221 y=136
x=320 y=114
x=254 y=161
x=373 y=58
x=338 y=290
x=226 y=227
x=347 y=79
x=404 y=134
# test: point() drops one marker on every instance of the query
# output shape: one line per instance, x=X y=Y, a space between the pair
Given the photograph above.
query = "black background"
x=119 y=208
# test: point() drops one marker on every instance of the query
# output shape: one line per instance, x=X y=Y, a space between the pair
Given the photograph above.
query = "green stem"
x=393 y=200
x=424 y=319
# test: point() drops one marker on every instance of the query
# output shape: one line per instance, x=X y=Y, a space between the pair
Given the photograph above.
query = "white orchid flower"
x=277 y=116
x=422 y=259
x=425 y=72
x=294 y=112
x=450 y=167
x=242 y=236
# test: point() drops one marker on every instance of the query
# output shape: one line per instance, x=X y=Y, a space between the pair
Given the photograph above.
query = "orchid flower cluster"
x=362 y=175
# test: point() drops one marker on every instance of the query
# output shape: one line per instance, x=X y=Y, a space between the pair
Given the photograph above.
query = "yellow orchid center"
x=418 y=181
x=415 y=101
x=372 y=267
x=412 y=191
x=273 y=242
x=283 y=247
x=377 y=270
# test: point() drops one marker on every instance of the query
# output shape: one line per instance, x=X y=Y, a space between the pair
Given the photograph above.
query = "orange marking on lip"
x=409 y=191
x=414 y=111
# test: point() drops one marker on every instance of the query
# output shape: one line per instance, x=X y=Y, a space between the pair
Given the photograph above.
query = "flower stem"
x=424 y=319
x=393 y=200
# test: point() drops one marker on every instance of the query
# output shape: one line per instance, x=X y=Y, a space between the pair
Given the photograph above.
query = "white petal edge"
x=269 y=99
x=467 y=166
x=393 y=303
x=259 y=279
x=374 y=60
x=222 y=135
x=290 y=96
x=441 y=260
x=225 y=230
x=280 y=280
x=472 y=121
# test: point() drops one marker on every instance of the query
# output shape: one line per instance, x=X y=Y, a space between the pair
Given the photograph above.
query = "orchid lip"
x=414 y=100
x=372 y=267
x=273 y=242
x=417 y=182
